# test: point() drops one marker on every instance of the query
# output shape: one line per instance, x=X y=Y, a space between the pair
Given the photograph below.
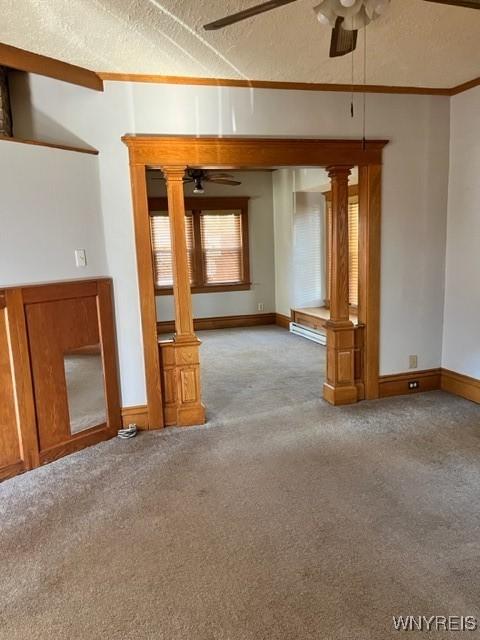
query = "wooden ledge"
x=51 y=145
x=22 y=60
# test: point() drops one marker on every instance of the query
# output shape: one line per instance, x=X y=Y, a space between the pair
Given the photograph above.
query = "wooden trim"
x=50 y=145
x=397 y=384
x=148 y=311
x=232 y=153
x=60 y=290
x=369 y=268
x=137 y=415
x=210 y=288
x=22 y=60
x=465 y=86
x=22 y=377
x=460 y=385
x=78 y=442
x=282 y=321
x=212 y=203
x=12 y=470
x=269 y=84
x=222 y=322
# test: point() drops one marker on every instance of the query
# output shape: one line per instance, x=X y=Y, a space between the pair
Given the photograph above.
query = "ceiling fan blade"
x=342 y=41
x=246 y=13
x=468 y=4
x=223 y=181
x=214 y=174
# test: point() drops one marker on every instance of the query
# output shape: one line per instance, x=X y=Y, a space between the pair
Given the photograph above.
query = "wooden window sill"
x=211 y=288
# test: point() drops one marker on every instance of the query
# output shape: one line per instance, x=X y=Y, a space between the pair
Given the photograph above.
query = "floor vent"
x=308 y=333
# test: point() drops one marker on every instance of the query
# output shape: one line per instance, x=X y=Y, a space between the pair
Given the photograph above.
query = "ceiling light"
x=198 y=188
x=356 y=13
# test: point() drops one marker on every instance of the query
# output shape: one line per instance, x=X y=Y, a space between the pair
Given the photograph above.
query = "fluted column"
x=339 y=387
x=181 y=359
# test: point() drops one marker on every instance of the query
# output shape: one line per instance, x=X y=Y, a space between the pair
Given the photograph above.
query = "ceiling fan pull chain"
x=364 y=86
x=352 y=112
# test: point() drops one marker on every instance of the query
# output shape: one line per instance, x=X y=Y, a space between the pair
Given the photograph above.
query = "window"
x=217 y=241
x=352 y=245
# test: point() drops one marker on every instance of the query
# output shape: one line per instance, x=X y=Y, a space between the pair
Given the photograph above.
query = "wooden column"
x=184 y=376
x=339 y=387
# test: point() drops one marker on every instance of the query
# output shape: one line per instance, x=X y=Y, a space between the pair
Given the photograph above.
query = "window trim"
x=198 y=206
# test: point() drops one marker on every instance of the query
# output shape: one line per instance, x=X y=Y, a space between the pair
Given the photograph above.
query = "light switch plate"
x=412 y=362
x=80 y=257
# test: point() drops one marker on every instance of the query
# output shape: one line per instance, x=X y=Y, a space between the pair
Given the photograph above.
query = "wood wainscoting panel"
x=222 y=322
x=397 y=384
x=460 y=385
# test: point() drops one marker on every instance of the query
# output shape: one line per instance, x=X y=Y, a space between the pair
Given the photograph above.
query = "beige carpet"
x=294 y=521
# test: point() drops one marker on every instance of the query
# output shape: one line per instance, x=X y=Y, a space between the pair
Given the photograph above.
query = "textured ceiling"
x=416 y=43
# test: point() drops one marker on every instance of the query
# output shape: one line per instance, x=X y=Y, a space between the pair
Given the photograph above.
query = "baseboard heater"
x=306 y=332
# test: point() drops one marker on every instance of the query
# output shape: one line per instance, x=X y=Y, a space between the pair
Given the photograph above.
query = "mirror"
x=85 y=388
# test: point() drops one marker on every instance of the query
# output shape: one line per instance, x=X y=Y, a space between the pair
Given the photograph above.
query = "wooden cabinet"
x=58 y=373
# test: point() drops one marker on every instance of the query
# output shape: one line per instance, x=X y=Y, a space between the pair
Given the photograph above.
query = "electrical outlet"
x=80 y=257
x=413 y=384
x=260 y=306
x=412 y=362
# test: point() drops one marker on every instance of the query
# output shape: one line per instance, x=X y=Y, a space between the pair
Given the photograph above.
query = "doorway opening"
x=201 y=269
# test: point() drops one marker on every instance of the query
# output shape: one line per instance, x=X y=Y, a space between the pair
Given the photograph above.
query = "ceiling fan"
x=199 y=176
x=344 y=16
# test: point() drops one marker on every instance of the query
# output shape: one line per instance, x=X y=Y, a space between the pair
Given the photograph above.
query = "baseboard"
x=460 y=385
x=222 y=322
x=137 y=415
x=397 y=384
x=282 y=321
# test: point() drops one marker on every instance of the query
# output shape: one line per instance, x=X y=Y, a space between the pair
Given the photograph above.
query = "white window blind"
x=221 y=233
x=162 y=248
x=352 y=249
x=308 y=257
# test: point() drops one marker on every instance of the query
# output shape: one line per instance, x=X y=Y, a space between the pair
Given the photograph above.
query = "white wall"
x=49 y=206
x=414 y=187
x=283 y=208
x=461 y=333
x=257 y=185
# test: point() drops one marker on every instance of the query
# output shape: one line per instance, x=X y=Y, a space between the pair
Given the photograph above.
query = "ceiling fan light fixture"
x=375 y=8
x=198 y=188
x=358 y=21
x=325 y=13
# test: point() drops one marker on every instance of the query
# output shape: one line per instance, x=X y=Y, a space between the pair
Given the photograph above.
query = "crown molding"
x=465 y=86
x=267 y=84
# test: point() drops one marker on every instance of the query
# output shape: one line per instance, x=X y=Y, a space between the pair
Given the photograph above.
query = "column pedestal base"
x=340 y=387
x=181 y=382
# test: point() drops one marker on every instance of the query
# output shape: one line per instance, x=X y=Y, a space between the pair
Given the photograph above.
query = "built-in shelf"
x=52 y=145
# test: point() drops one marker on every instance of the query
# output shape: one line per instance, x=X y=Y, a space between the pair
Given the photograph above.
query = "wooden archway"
x=172 y=372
